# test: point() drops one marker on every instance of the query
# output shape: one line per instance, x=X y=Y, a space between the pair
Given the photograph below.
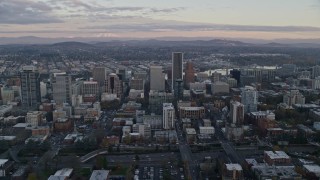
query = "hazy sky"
x=262 y=19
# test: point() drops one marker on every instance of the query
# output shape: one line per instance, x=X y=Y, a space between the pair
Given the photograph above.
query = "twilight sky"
x=261 y=19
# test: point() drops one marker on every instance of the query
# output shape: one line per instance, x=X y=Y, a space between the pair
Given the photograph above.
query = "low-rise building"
x=191 y=135
x=263 y=171
x=232 y=171
x=99 y=175
x=312 y=168
x=5 y=167
x=192 y=112
x=276 y=157
x=207 y=130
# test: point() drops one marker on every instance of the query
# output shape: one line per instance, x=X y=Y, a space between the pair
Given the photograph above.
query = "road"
x=228 y=148
x=186 y=154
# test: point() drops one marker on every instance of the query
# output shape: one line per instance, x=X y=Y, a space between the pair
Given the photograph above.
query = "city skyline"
x=152 y=19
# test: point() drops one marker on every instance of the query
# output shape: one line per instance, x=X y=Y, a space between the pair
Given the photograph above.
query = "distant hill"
x=163 y=41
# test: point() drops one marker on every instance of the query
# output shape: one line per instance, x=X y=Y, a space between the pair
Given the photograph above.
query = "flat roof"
x=64 y=172
x=232 y=167
x=53 y=177
x=207 y=127
x=99 y=175
x=312 y=168
x=192 y=108
x=21 y=125
x=7 y=138
x=3 y=161
x=277 y=154
x=191 y=131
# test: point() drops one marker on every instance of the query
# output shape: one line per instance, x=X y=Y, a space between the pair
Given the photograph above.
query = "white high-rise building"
x=157 y=78
x=168 y=116
x=249 y=98
x=236 y=112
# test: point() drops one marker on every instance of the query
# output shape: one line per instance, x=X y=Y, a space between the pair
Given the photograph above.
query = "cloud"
x=25 y=12
x=186 y=26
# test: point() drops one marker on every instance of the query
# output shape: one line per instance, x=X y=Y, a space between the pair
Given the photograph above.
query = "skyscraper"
x=236 y=113
x=315 y=71
x=157 y=78
x=114 y=85
x=249 y=98
x=189 y=72
x=30 y=87
x=177 y=67
x=100 y=74
x=61 y=88
x=168 y=116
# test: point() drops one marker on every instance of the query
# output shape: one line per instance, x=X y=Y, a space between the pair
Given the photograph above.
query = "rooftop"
x=232 y=167
x=312 y=168
x=64 y=172
x=277 y=154
x=99 y=175
x=191 y=131
x=192 y=108
x=3 y=161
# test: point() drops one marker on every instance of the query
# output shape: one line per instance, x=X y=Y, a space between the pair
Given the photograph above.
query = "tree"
x=137 y=158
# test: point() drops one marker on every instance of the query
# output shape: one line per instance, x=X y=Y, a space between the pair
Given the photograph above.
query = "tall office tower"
x=249 y=98
x=216 y=76
x=100 y=74
x=61 y=88
x=30 y=87
x=90 y=88
x=123 y=73
x=236 y=113
x=168 y=116
x=114 y=85
x=189 y=72
x=178 y=89
x=315 y=71
x=156 y=100
x=177 y=67
x=157 y=78
x=236 y=73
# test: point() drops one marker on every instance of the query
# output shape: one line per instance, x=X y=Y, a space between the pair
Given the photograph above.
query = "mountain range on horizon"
x=29 y=40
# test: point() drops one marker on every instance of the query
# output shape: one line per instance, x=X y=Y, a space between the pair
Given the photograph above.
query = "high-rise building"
x=61 y=88
x=293 y=97
x=216 y=76
x=177 y=67
x=90 y=88
x=236 y=73
x=315 y=71
x=178 y=89
x=34 y=118
x=249 y=98
x=114 y=85
x=156 y=100
x=189 y=76
x=30 y=87
x=157 y=78
x=236 y=113
x=137 y=84
x=168 y=116
x=100 y=74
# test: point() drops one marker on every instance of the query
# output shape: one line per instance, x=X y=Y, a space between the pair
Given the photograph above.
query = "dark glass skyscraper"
x=30 y=87
x=177 y=67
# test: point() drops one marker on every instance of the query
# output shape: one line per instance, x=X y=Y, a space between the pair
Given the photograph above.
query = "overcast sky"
x=262 y=19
